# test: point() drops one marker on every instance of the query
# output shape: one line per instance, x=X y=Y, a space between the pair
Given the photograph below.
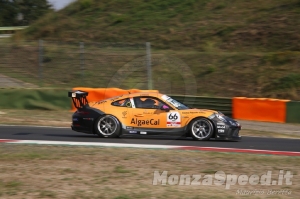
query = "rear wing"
x=79 y=98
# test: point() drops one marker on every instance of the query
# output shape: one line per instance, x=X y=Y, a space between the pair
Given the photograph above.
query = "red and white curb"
x=150 y=146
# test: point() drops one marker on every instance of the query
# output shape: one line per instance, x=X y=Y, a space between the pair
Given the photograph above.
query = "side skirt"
x=147 y=131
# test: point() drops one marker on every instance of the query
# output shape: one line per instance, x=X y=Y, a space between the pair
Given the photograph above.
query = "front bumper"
x=231 y=133
x=227 y=130
x=236 y=138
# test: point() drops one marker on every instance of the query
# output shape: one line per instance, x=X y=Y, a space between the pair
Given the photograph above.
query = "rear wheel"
x=108 y=126
x=201 y=129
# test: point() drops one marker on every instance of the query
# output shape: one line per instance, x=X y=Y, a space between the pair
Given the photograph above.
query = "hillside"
x=234 y=48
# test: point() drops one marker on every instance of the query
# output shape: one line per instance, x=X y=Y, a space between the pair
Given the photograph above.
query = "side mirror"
x=165 y=108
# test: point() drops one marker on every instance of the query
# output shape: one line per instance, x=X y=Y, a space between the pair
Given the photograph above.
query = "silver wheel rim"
x=107 y=125
x=201 y=129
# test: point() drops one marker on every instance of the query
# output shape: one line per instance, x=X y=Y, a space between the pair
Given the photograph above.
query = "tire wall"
x=265 y=109
x=259 y=109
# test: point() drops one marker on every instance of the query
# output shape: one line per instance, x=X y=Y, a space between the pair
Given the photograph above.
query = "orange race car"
x=149 y=113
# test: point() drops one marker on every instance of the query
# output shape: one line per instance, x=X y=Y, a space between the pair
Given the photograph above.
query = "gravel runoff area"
x=271 y=127
x=8 y=82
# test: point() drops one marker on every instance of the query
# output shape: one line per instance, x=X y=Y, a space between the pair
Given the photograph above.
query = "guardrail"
x=13 y=28
x=220 y=104
x=6 y=32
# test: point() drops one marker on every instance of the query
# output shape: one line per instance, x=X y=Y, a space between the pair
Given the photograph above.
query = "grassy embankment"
x=236 y=48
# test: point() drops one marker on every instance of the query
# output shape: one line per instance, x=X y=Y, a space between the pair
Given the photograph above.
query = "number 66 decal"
x=173 y=119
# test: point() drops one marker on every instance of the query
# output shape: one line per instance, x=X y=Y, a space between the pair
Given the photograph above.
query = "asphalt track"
x=66 y=134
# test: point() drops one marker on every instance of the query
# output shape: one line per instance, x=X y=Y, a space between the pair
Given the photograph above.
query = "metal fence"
x=34 y=64
x=62 y=64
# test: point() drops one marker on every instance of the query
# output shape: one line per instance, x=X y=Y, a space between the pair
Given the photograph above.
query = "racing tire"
x=108 y=126
x=201 y=129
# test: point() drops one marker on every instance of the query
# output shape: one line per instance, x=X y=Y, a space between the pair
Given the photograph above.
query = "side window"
x=148 y=102
x=122 y=103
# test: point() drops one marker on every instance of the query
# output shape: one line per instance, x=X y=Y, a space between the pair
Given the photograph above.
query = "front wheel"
x=201 y=129
x=108 y=126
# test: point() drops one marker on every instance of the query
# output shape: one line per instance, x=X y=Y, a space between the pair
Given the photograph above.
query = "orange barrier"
x=259 y=109
x=98 y=94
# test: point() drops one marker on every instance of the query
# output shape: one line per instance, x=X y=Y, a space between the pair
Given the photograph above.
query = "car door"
x=148 y=114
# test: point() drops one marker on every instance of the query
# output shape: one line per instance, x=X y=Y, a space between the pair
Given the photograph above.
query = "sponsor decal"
x=138 y=122
x=73 y=94
x=124 y=113
x=221 y=131
x=129 y=127
x=101 y=102
x=143 y=132
x=128 y=104
x=88 y=118
x=115 y=98
x=132 y=131
x=193 y=112
x=173 y=119
x=221 y=127
x=147 y=112
x=75 y=119
x=220 y=123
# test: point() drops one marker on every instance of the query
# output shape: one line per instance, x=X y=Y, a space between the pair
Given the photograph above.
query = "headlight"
x=220 y=113
x=220 y=117
x=233 y=123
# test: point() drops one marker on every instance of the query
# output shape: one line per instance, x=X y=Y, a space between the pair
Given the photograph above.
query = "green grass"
x=121 y=169
x=268 y=25
x=47 y=194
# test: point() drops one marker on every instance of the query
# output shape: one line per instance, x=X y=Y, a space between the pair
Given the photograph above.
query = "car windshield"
x=178 y=105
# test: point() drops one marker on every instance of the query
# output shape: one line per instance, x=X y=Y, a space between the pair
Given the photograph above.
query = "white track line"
x=54 y=127
x=149 y=146
x=87 y=144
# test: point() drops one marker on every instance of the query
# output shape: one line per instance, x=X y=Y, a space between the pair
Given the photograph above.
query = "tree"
x=31 y=10
x=8 y=13
x=22 y=12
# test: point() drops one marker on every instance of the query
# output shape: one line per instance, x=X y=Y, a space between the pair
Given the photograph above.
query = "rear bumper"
x=81 y=129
